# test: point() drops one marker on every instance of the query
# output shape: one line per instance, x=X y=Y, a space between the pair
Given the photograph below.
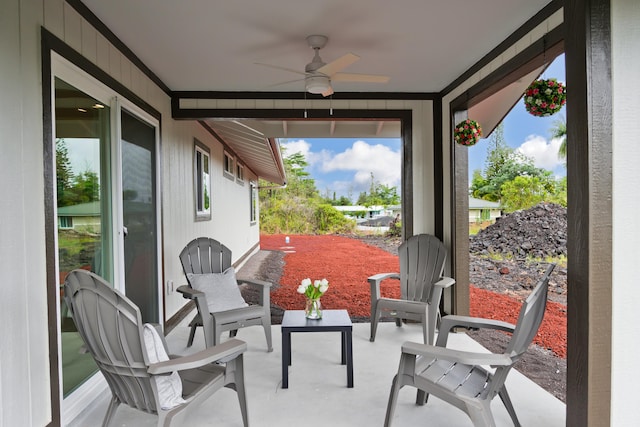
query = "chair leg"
x=192 y=335
x=111 y=410
x=481 y=415
x=239 y=387
x=421 y=397
x=504 y=396
x=374 y=325
x=266 y=324
x=393 y=400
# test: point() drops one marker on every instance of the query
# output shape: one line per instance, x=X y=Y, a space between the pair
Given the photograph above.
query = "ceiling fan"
x=318 y=75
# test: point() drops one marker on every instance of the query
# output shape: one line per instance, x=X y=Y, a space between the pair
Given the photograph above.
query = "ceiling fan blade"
x=285 y=83
x=364 y=78
x=328 y=92
x=277 y=67
x=334 y=66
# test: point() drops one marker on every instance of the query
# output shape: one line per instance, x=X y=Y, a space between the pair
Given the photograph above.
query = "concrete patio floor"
x=317 y=393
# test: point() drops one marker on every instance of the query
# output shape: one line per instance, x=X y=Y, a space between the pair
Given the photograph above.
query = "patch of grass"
x=74 y=242
x=560 y=260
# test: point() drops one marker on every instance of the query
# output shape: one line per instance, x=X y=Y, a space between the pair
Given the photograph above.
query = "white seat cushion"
x=221 y=289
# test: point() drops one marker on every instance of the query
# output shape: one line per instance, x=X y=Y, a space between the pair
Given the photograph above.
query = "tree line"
x=510 y=178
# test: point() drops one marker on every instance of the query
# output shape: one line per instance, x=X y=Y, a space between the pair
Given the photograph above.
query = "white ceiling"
x=423 y=45
x=217 y=45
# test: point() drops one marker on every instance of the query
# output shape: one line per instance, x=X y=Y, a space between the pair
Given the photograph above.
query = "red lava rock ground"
x=347 y=262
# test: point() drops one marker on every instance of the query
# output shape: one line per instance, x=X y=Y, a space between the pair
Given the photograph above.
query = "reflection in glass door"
x=82 y=142
x=139 y=215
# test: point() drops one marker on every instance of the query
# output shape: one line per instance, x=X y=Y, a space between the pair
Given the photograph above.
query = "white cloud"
x=544 y=153
x=365 y=159
x=349 y=172
x=292 y=147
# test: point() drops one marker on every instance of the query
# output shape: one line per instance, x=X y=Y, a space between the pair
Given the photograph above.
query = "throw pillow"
x=221 y=289
x=169 y=386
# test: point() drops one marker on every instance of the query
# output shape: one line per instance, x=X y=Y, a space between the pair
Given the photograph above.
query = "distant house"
x=369 y=212
x=81 y=217
x=483 y=210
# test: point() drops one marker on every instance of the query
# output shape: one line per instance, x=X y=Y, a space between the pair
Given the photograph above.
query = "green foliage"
x=74 y=189
x=395 y=228
x=330 y=220
x=379 y=195
x=523 y=192
x=512 y=179
x=340 y=201
x=298 y=208
x=559 y=130
x=503 y=164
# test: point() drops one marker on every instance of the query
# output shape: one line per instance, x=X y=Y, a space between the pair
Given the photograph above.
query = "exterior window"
x=253 y=202
x=65 y=222
x=202 y=181
x=228 y=166
x=240 y=174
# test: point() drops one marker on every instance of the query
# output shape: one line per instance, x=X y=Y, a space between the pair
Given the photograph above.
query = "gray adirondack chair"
x=458 y=377
x=203 y=256
x=112 y=330
x=422 y=260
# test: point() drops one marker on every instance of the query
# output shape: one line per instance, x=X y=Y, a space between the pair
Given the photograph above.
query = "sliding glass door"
x=106 y=206
x=85 y=238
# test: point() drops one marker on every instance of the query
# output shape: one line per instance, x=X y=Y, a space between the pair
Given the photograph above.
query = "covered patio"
x=318 y=395
x=190 y=72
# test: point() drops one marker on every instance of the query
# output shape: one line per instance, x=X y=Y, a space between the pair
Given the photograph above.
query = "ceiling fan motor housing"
x=317 y=84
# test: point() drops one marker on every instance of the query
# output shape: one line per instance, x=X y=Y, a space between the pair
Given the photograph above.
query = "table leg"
x=286 y=357
x=349 y=345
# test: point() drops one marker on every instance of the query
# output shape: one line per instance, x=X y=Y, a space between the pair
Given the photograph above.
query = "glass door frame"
x=77 y=401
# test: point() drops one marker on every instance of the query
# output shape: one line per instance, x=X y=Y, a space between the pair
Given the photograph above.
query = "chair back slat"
x=529 y=320
x=422 y=259
x=204 y=255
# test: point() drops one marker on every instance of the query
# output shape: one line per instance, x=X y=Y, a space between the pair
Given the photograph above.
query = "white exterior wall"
x=24 y=366
x=24 y=356
x=625 y=74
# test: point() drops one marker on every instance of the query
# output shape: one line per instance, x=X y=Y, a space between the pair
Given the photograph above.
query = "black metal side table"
x=332 y=321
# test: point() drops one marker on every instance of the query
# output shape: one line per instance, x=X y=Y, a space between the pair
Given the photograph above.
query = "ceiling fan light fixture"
x=317 y=84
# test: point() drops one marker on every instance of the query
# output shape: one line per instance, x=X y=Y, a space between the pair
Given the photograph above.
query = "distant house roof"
x=357 y=208
x=482 y=204
x=81 y=209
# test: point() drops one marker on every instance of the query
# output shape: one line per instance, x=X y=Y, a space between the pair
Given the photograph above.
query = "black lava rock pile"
x=536 y=232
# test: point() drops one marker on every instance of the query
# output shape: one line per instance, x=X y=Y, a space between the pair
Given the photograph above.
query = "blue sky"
x=345 y=165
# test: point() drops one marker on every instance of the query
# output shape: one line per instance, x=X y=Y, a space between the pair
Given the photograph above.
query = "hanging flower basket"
x=467 y=132
x=545 y=97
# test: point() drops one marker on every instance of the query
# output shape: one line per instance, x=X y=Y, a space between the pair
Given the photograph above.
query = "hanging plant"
x=467 y=132
x=545 y=97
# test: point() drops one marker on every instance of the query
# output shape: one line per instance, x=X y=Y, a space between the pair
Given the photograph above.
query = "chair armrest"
x=227 y=349
x=458 y=356
x=264 y=288
x=448 y=323
x=382 y=276
x=445 y=282
x=254 y=282
x=188 y=292
x=453 y=321
x=374 y=283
